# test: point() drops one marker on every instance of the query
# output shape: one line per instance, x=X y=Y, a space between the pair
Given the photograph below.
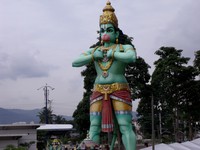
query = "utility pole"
x=160 y=124
x=46 y=94
x=160 y=121
x=153 y=132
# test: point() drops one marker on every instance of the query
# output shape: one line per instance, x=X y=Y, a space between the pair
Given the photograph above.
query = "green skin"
x=115 y=75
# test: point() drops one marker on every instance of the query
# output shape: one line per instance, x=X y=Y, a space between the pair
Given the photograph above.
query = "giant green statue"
x=110 y=103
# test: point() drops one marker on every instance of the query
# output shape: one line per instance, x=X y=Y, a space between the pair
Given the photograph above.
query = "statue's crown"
x=108 y=15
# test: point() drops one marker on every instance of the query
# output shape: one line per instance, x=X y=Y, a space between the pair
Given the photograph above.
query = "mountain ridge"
x=10 y=116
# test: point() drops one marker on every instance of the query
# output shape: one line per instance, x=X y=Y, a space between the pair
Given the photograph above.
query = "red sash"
x=107 y=111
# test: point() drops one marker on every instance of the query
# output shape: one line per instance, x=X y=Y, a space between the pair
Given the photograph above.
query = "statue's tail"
x=113 y=140
x=115 y=134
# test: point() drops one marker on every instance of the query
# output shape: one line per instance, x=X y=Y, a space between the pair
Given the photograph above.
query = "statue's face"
x=108 y=33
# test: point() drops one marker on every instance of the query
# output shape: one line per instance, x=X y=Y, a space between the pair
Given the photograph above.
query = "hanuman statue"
x=110 y=102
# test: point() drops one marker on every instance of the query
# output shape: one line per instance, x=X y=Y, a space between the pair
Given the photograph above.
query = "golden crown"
x=108 y=15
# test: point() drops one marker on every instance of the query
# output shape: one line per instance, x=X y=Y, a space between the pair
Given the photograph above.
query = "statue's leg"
x=95 y=121
x=125 y=126
x=123 y=113
x=95 y=128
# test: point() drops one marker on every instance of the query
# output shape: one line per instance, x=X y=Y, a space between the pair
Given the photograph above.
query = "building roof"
x=189 y=145
x=178 y=146
x=196 y=141
x=18 y=126
x=55 y=127
x=159 y=147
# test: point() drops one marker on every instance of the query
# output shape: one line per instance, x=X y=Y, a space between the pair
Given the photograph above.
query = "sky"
x=39 y=39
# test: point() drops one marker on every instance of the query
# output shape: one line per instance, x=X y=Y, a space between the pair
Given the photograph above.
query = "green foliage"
x=12 y=147
x=174 y=88
x=137 y=76
x=144 y=111
x=58 y=119
x=42 y=115
x=89 y=75
x=176 y=94
x=81 y=116
x=52 y=118
x=168 y=76
x=197 y=61
x=191 y=103
x=27 y=145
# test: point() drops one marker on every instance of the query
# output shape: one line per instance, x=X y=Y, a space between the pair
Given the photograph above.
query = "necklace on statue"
x=105 y=49
x=105 y=59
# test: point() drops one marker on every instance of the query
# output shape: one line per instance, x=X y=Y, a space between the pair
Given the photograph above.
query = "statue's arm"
x=127 y=56
x=83 y=59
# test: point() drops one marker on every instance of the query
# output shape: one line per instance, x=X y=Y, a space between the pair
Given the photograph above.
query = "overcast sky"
x=39 y=39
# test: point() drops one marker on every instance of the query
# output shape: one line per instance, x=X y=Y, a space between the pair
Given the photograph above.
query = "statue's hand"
x=98 y=54
x=109 y=54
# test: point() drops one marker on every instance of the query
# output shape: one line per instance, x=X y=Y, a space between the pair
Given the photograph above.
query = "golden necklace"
x=107 y=48
x=109 y=62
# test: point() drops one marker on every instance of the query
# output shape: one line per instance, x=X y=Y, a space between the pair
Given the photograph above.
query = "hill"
x=9 y=116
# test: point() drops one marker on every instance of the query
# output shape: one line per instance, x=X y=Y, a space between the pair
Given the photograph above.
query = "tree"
x=190 y=107
x=197 y=61
x=137 y=76
x=58 y=119
x=197 y=66
x=169 y=79
x=42 y=115
x=144 y=111
x=52 y=118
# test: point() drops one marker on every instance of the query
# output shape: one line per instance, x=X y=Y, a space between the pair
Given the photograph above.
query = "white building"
x=16 y=134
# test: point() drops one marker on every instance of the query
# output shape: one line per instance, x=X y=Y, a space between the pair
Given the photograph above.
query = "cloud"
x=183 y=31
x=22 y=65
